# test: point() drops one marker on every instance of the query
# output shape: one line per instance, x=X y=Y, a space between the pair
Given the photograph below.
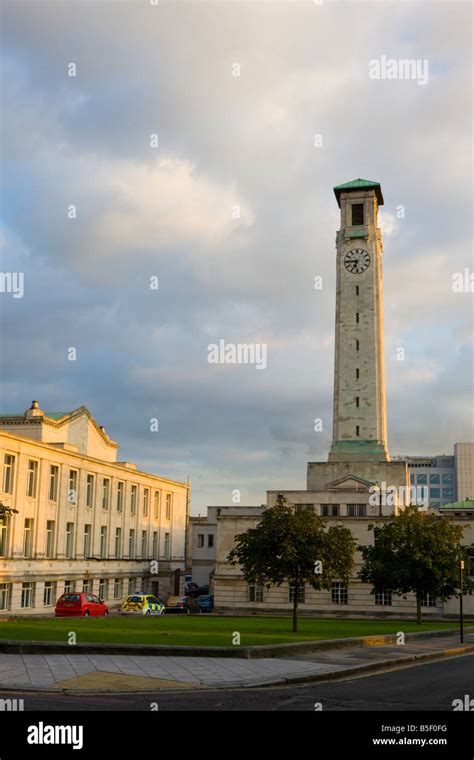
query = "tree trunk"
x=295 y=608
x=418 y=609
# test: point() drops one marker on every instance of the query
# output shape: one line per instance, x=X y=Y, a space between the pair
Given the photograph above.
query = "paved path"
x=126 y=672
x=39 y=671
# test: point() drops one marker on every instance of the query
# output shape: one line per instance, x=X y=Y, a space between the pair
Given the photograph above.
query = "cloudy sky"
x=227 y=141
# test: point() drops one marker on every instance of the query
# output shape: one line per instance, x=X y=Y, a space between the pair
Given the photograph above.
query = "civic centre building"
x=341 y=489
x=85 y=521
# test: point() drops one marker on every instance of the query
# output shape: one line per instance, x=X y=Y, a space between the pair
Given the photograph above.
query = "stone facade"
x=84 y=520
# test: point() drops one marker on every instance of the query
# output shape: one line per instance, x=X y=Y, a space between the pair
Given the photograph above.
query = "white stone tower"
x=359 y=421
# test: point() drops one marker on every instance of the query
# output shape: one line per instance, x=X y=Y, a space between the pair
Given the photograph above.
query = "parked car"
x=190 y=587
x=206 y=603
x=179 y=605
x=199 y=591
x=80 y=605
x=142 y=604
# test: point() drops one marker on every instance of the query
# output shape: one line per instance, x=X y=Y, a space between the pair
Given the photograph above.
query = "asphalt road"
x=432 y=686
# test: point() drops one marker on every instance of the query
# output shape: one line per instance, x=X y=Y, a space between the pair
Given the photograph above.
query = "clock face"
x=356 y=261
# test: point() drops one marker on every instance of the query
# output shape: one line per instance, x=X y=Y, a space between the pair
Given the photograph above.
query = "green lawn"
x=201 y=630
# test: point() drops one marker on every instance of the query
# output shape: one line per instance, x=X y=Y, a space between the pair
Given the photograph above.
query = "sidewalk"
x=108 y=672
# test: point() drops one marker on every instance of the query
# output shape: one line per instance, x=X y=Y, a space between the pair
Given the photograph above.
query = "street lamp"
x=461 y=620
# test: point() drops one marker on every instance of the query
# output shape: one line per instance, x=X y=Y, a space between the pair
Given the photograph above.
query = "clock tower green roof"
x=359 y=184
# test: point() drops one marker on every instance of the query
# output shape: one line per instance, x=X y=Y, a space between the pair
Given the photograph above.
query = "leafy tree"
x=294 y=547
x=415 y=552
x=6 y=511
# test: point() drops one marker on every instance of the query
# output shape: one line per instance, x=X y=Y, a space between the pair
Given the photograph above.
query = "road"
x=431 y=686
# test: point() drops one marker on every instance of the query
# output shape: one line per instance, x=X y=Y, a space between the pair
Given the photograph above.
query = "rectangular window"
x=117 y=588
x=27 y=595
x=8 y=473
x=102 y=589
x=356 y=510
x=87 y=540
x=5 y=595
x=291 y=594
x=72 y=490
x=357 y=373
x=53 y=482
x=210 y=540
x=167 y=545
x=146 y=501
x=200 y=540
x=447 y=478
x=428 y=601
x=434 y=479
x=103 y=542
x=120 y=496
x=50 y=539
x=357 y=317
x=131 y=544
x=144 y=543
x=383 y=598
x=32 y=479
x=118 y=543
x=70 y=540
x=90 y=488
x=155 y=544
x=448 y=493
x=156 y=504
x=255 y=593
x=68 y=587
x=422 y=478
x=357 y=430
x=357 y=401
x=339 y=593
x=28 y=537
x=357 y=344
x=435 y=493
x=357 y=290
x=105 y=493
x=304 y=507
x=49 y=594
x=168 y=506
x=329 y=510
x=4 y=525
x=133 y=499
x=86 y=585
x=357 y=214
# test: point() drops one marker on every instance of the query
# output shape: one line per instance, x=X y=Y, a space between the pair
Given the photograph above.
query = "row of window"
x=333 y=510
x=339 y=595
x=422 y=478
x=50 y=549
x=28 y=591
x=200 y=540
x=91 y=484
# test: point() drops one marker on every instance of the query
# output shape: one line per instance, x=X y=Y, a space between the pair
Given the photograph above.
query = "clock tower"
x=359 y=419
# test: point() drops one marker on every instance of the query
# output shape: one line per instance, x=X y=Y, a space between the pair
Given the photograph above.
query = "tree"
x=6 y=511
x=415 y=552
x=297 y=547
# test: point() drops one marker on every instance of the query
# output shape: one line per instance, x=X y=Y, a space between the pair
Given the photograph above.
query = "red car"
x=80 y=605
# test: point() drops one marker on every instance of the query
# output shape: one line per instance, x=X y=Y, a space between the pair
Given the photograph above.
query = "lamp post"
x=461 y=620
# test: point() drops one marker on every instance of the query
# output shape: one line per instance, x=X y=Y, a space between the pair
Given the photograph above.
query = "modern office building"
x=84 y=521
x=446 y=478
